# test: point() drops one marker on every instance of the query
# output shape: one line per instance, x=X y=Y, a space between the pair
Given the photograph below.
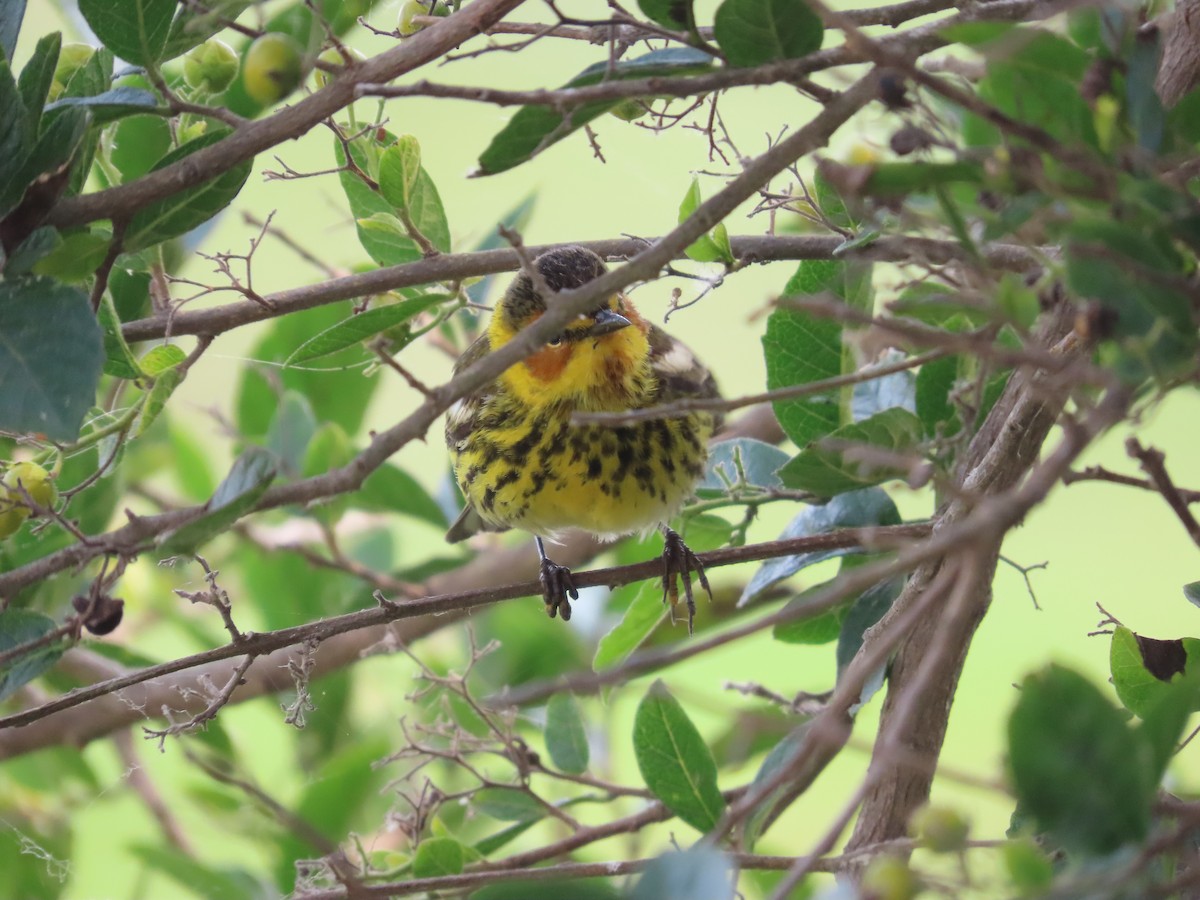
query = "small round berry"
x=273 y=67
x=212 y=66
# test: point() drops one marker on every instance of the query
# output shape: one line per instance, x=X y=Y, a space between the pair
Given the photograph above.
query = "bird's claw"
x=679 y=560
x=557 y=585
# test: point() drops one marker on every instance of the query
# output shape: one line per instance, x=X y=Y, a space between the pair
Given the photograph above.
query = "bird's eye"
x=556 y=341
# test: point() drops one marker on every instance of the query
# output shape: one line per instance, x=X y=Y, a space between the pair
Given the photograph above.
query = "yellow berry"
x=71 y=58
x=35 y=480
x=334 y=57
x=11 y=518
x=629 y=110
x=211 y=66
x=273 y=68
x=413 y=8
x=939 y=829
x=888 y=878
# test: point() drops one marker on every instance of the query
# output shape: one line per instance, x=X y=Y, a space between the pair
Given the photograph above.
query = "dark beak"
x=605 y=321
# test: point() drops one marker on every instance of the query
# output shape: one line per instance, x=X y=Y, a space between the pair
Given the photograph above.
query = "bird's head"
x=599 y=361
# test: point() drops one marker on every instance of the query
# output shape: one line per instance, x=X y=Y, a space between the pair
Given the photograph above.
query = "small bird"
x=523 y=463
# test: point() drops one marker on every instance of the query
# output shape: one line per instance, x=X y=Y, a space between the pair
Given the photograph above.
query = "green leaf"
x=754 y=32
x=37 y=76
x=674 y=14
x=712 y=247
x=438 y=856
x=16 y=142
x=399 y=167
x=674 y=760
x=1077 y=768
x=51 y=356
x=76 y=257
x=118 y=358
x=138 y=143
x=852 y=510
x=361 y=327
x=800 y=349
x=822 y=628
x=111 y=105
x=20 y=626
x=641 y=617
x=780 y=756
x=935 y=380
x=338 y=391
x=535 y=128
x=1138 y=687
x=508 y=804
x=566 y=738
x=40 y=242
x=11 y=14
x=391 y=489
x=160 y=359
x=828 y=472
x=379 y=231
x=182 y=211
x=646 y=607
x=1192 y=592
x=165 y=384
x=135 y=30
x=756 y=461
x=862 y=614
x=699 y=873
x=291 y=430
x=247 y=481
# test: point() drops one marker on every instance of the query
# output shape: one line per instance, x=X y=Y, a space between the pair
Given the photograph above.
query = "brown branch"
x=458 y=266
x=1153 y=463
x=291 y=122
x=1002 y=455
x=1099 y=473
x=421 y=615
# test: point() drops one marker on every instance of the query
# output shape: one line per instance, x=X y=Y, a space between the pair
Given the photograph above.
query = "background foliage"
x=221 y=571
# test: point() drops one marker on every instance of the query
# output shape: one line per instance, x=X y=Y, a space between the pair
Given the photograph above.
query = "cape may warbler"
x=523 y=463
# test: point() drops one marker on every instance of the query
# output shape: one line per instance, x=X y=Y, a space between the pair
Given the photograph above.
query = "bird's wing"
x=461 y=421
x=680 y=374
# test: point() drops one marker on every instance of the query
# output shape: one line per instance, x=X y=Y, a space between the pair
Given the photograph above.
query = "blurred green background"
x=1103 y=544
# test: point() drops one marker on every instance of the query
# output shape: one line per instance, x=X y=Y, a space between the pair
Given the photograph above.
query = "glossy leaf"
x=799 y=349
x=182 y=211
x=1137 y=685
x=711 y=247
x=862 y=614
x=438 y=856
x=755 y=32
x=51 y=356
x=700 y=873
x=674 y=14
x=139 y=142
x=16 y=142
x=248 y=479
x=1077 y=768
x=399 y=167
x=935 y=381
x=535 y=128
x=196 y=23
x=852 y=510
x=508 y=804
x=674 y=760
x=111 y=104
x=159 y=359
x=11 y=14
x=829 y=472
x=391 y=489
x=361 y=327
x=17 y=627
x=755 y=461
x=566 y=738
x=135 y=30
x=37 y=76
x=291 y=430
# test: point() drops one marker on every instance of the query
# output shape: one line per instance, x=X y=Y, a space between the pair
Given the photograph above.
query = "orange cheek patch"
x=549 y=362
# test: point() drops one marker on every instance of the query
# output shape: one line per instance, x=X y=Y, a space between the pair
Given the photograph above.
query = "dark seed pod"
x=106 y=613
x=892 y=90
x=909 y=139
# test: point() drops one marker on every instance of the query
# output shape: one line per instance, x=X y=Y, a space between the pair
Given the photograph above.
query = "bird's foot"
x=680 y=561
x=557 y=585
